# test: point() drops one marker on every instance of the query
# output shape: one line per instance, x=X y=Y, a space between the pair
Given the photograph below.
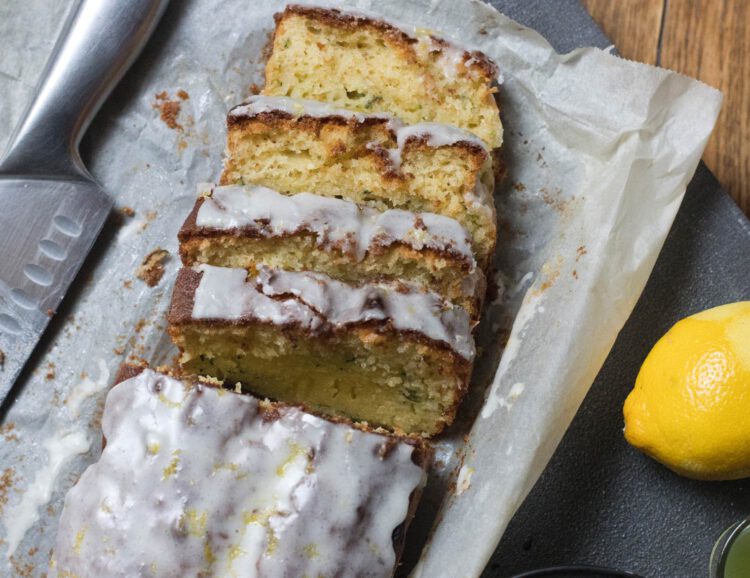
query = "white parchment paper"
x=599 y=152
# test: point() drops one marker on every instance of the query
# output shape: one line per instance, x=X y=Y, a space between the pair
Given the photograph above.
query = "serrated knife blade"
x=51 y=209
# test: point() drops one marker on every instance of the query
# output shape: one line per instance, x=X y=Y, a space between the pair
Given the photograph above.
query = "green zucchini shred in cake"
x=386 y=354
x=250 y=226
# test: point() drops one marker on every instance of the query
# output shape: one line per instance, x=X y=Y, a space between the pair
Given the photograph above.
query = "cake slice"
x=363 y=63
x=250 y=226
x=296 y=146
x=199 y=481
x=387 y=354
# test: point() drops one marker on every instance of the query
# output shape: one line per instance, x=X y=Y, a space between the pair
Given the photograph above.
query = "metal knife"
x=51 y=209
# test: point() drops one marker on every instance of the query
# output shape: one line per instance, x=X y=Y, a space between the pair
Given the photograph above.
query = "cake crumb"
x=168 y=109
x=554 y=199
x=183 y=94
x=127 y=284
x=2 y=360
x=6 y=484
x=50 y=312
x=8 y=432
x=21 y=570
x=127 y=211
x=152 y=268
x=51 y=374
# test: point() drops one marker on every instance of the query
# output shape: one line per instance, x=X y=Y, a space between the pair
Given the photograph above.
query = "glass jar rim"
x=724 y=545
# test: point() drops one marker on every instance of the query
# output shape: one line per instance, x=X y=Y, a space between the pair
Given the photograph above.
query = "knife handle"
x=98 y=43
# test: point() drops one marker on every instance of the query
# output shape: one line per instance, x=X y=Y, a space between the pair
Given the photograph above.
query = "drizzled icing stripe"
x=297 y=107
x=318 y=304
x=438 y=134
x=353 y=229
x=200 y=481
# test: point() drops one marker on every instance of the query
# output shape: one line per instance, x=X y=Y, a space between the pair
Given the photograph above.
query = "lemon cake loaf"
x=296 y=146
x=195 y=480
x=249 y=226
x=386 y=354
x=363 y=63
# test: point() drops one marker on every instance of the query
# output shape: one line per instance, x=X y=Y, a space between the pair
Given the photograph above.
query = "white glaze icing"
x=318 y=303
x=61 y=448
x=194 y=481
x=86 y=389
x=438 y=134
x=354 y=229
x=448 y=57
x=480 y=199
x=298 y=107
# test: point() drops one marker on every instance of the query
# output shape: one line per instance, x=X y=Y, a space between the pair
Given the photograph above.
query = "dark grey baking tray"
x=599 y=501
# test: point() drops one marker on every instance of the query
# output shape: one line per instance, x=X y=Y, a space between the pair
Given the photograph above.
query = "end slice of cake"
x=386 y=354
x=251 y=226
x=364 y=63
x=296 y=146
x=199 y=481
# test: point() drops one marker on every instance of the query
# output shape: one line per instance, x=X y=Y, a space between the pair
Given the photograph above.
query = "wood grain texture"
x=710 y=40
x=706 y=39
x=632 y=25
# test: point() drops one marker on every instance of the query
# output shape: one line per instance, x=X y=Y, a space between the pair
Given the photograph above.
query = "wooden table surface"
x=705 y=39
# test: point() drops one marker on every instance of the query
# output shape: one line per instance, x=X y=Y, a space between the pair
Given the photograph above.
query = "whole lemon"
x=690 y=408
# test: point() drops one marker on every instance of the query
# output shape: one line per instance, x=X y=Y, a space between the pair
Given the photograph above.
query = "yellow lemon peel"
x=690 y=405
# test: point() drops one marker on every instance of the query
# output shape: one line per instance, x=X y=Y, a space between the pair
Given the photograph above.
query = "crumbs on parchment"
x=50 y=375
x=8 y=431
x=2 y=360
x=150 y=216
x=169 y=110
x=152 y=268
x=21 y=569
x=127 y=211
x=6 y=485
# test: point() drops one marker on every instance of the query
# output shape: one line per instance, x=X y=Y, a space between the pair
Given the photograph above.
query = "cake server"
x=51 y=209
